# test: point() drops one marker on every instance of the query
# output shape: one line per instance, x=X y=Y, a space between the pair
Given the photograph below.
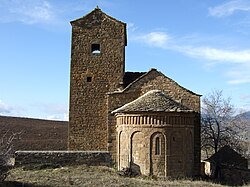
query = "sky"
x=202 y=45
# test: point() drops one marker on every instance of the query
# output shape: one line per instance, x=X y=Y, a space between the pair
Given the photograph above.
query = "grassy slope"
x=91 y=176
x=37 y=134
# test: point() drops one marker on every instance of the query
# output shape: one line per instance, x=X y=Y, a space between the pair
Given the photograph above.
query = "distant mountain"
x=246 y=115
x=245 y=119
x=37 y=134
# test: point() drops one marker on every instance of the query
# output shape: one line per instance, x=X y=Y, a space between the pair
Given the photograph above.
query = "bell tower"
x=97 y=67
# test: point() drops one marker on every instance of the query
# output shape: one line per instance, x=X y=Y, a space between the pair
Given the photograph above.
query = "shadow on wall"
x=136 y=170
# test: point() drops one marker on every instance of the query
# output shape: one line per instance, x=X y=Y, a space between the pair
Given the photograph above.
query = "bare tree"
x=219 y=126
x=6 y=152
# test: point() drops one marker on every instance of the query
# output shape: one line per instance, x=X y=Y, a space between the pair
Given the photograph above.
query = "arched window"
x=157 y=146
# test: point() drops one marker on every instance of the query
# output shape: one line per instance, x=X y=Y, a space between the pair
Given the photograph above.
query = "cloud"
x=239 y=76
x=165 y=41
x=45 y=11
x=216 y=54
x=245 y=97
x=27 y=11
x=63 y=117
x=55 y=111
x=158 y=39
x=5 y=108
x=238 y=60
x=131 y=27
x=230 y=8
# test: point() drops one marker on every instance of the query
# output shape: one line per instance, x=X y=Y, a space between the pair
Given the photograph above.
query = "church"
x=145 y=120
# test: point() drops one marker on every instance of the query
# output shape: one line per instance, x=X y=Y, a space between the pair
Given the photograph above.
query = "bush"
x=6 y=153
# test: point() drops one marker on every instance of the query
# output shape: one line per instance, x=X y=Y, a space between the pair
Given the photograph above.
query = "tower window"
x=157 y=146
x=89 y=79
x=95 y=49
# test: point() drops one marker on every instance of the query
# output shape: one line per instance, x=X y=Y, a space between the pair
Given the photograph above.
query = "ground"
x=88 y=176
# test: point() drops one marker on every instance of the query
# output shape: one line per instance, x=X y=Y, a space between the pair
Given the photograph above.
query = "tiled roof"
x=153 y=101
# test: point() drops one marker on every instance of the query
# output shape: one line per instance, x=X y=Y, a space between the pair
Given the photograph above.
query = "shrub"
x=6 y=153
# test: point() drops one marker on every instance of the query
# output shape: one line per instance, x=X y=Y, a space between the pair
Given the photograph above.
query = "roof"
x=130 y=77
x=141 y=75
x=153 y=101
x=97 y=16
x=227 y=156
x=97 y=10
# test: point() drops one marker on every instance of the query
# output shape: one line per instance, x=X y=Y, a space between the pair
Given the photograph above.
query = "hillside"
x=246 y=115
x=37 y=134
x=246 y=119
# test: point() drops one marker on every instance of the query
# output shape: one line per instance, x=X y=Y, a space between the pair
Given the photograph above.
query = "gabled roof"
x=143 y=75
x=227 y=156
x=130 y=77
x=95 y=17
x=97 y=13
x=153 y=101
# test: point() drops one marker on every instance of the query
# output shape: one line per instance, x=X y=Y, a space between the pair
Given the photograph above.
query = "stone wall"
x=62 y=158
x=154 y=80
x=137 y=147
x=92 y=76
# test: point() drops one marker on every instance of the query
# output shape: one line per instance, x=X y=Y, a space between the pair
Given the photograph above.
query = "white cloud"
x=230 y=8
x=158 y=39
x=62 y=117
x=215 y=54
x=237 y=61
x=131 y=27
x=27 y=11
x=245 y=97
x=5 y=108
x=239 y=76
x=56 y=111
x=165 y=41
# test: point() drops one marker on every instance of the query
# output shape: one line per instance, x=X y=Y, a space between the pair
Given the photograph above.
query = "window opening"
x=95 y=49
x=157 y=146
x=89 y=79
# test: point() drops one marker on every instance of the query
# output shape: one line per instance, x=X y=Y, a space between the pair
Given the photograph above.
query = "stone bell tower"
x=97 y=67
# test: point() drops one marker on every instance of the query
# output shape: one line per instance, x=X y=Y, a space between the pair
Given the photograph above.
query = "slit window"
x=95 y=49
x=157 y=146
x=89 y=79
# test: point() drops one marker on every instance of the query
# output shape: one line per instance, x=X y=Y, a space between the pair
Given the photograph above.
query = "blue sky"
x=203 y=45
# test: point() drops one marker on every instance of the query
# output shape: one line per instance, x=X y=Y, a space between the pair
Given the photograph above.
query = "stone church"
x=146 y=120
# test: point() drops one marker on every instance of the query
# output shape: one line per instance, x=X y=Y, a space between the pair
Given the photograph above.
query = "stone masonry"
x=92 y=76
x=100 y=85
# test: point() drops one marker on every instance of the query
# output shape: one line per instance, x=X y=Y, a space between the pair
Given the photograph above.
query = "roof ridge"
x=179 y=84
x=98 y=9
x=153 y=101
x=146 y=73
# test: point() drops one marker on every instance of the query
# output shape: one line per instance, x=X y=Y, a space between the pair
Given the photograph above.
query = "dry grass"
x=89 y=176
